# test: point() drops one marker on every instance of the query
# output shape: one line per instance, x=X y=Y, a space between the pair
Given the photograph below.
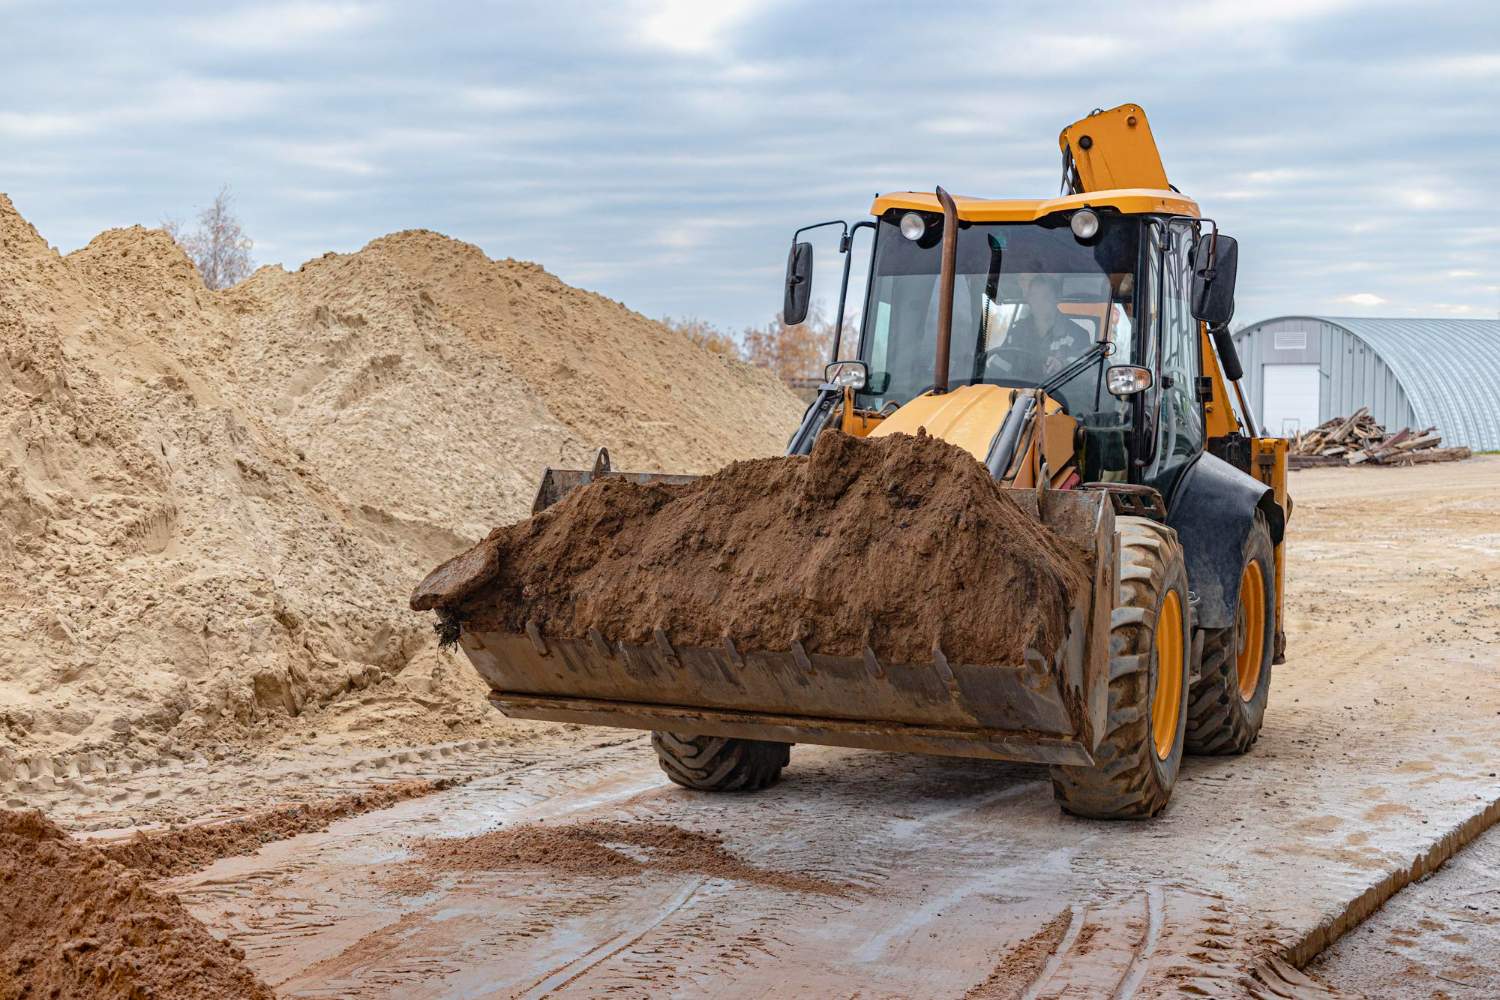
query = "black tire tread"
x=1219 y=723
x=720 y=763
x=1126 y=783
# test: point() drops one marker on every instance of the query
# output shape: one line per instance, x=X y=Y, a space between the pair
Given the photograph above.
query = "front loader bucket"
x=1049 y=708
x=558 y=483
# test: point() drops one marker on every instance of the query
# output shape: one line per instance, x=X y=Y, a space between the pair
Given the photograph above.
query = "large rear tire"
x=1149 y=644
x=1228 y=704
x=720 y=763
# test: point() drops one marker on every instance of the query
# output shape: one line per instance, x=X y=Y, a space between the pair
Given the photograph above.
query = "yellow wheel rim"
x=1250 y=629
x=1167 y=702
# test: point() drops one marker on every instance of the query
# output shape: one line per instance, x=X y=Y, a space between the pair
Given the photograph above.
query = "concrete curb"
x=1316 y=941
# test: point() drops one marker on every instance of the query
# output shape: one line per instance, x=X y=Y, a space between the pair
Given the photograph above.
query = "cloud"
x=690 y=27
x=1221 y=15
x=1420 y=198
x=506 y=99
x=353 y=158
x=279 y=27
x=43 y=125
x=320 y=196
x=957 y=126
x=191 y=98
x=663 y=152
x=1283 y=176
x=1475 y=66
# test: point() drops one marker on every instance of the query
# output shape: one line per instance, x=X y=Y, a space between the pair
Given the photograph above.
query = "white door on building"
x=1290 y=394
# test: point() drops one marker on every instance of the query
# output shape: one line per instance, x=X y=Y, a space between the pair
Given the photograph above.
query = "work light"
x=1085 y=224
x=1127 y=380
x=912 y=226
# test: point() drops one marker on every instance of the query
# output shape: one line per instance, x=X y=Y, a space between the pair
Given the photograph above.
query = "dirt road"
x=875 y=875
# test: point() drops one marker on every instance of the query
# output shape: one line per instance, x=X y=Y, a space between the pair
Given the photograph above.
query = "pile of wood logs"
x=1357 y=439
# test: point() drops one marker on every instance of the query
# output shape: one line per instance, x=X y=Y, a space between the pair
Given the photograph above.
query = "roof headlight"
x=913 y=226
x=1085 y=223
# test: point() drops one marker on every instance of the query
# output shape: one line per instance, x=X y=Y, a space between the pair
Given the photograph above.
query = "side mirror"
x=1127 y=380
x=1215 y=260
x=798 y=284
x=847 y=375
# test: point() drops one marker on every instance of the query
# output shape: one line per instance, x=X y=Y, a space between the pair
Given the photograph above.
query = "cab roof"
x=1128 y=201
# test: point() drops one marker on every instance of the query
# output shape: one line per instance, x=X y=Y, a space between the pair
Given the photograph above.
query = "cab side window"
x=1179 y=416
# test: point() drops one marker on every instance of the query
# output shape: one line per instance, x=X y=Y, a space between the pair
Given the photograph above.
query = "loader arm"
x=1111 y=150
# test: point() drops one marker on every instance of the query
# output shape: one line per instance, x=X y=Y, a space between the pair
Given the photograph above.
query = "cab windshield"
x=1030 y=300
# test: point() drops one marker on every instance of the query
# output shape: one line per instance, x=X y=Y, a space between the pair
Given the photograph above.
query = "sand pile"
x=212 y=504
x=898 y=543
x=78 y=925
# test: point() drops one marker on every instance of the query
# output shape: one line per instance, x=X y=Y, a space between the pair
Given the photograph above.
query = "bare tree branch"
x=219 y=248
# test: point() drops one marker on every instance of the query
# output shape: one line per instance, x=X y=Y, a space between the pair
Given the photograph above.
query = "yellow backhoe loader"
x=1078 y=347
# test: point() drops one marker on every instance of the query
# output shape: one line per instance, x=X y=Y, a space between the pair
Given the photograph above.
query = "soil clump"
x=608 y=848
x=1020 y=967
x=902 y=543
x=165 y=853
x=78 y=925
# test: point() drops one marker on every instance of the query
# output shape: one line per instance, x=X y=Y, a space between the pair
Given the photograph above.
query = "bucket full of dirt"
x=877 y=593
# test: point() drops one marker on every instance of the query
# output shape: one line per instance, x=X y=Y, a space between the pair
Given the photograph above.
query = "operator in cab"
x=1045 y=336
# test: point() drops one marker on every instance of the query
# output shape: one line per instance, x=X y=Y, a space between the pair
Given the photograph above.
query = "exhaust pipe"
x=946 y=281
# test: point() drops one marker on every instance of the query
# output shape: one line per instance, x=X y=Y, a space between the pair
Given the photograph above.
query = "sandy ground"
x=952 y=878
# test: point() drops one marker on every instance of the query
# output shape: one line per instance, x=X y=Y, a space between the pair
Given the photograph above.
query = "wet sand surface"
x=918 y=876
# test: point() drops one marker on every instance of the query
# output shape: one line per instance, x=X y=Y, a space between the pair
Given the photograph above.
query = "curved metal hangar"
x=1443 y=373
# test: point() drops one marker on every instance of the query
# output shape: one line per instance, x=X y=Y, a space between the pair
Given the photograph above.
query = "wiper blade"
x=1098 y=351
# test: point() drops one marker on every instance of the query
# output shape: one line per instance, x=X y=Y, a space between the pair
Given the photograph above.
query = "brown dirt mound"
x=76 y=924
x=900 y=542
x=165 y=853
x=607 y=848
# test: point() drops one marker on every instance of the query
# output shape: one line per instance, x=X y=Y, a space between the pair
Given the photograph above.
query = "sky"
x=662 y=153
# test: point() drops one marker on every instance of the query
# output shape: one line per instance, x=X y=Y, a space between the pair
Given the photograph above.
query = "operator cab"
x=1049 y=294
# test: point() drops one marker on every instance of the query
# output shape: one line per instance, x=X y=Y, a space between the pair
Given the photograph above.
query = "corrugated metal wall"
x=1353 y=374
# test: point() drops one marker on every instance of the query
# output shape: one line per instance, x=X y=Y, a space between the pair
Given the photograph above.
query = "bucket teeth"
x=600 y=644
x=800 y=655
x=536 y=638
x=665 y=645
x=941 y=662
x=872 y=664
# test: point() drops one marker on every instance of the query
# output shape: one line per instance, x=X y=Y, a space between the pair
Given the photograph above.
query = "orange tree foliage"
x=797 y=352
x=792 y=352
x=705 y=335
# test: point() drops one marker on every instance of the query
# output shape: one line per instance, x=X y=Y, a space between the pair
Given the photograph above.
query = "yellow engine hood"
x=968 y=416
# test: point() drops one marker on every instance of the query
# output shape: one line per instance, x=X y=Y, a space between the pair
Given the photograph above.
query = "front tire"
x=720 y=763
x=1149 y=644
x=1228 y=703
